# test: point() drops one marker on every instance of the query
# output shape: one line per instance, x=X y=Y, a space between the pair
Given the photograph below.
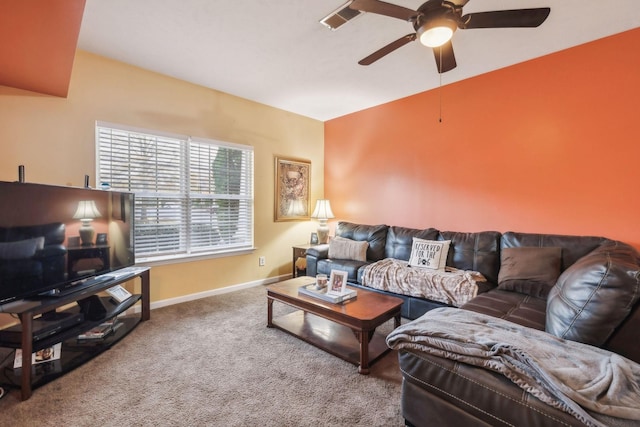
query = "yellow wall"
x=54 y=138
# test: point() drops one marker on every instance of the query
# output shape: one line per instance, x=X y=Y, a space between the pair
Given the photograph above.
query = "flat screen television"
x=54 y=237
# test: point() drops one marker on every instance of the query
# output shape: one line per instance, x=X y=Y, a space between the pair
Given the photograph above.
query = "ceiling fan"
x=436 y=20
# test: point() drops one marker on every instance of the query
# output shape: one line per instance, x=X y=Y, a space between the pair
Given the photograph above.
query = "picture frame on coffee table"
x=337 y=282
x=292 y=189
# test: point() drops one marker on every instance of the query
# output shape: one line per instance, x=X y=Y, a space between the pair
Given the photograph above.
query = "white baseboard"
x=212 y=292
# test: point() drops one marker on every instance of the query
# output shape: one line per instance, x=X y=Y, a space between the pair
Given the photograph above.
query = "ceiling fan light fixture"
x=436 y=33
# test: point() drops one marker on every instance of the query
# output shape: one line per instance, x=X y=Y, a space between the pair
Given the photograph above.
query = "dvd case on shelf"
x=102 y=330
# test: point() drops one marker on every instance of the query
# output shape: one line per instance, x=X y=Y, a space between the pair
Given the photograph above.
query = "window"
x=192 y=196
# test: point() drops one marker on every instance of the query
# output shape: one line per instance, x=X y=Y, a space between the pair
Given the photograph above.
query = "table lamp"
x=322 y=213
x=86 y=212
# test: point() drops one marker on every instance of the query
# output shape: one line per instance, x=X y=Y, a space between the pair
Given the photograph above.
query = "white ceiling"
x=277 y=53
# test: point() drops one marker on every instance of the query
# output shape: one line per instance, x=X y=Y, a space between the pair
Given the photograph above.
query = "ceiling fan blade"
x=506 y=18
x=383 y=8
x=387 y=49
x=445 y=59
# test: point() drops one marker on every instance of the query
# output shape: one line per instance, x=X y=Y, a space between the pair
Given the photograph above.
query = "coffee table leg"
x=269 y=312
x=396 y=321
x=363 y=337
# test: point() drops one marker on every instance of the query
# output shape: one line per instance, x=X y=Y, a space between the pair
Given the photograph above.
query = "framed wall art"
x=292 y=186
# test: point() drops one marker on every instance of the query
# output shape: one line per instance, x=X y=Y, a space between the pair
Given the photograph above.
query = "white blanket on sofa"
x=452 y=286
x=565 y=374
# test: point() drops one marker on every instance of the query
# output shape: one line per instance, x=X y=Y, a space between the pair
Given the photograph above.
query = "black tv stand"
x=74 y=352
x=43 y=327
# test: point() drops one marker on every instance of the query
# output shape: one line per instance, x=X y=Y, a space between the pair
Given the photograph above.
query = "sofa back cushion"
x=595 y=295
x=400 y=241
x=475 y=251
x=573 y=247
x=376 y=235
x=53 y=233
x=21 y=249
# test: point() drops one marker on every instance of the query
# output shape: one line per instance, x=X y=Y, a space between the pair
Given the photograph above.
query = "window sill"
x=175 y=259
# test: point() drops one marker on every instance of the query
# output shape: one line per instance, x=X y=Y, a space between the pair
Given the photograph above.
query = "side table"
x=299 y=251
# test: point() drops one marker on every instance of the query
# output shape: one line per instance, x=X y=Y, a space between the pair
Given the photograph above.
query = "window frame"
x=187 y=199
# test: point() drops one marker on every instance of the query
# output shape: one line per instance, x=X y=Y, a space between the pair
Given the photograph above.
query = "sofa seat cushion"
x=324 y=266
x=518 y=308
x=451 y=287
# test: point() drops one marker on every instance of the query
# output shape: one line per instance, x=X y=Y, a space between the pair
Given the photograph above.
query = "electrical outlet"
x=261 y=261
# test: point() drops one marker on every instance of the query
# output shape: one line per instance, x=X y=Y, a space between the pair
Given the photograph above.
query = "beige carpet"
x=213 y=362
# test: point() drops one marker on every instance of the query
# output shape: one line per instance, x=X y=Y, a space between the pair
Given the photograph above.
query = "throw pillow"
x=341 y=248
x=529 y=270
x=429 y=253
x=21 y=249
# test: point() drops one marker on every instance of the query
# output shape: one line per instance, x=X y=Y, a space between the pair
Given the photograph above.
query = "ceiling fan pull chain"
x=440 y=88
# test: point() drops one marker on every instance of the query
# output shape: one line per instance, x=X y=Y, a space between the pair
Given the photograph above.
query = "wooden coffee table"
x=346 y=330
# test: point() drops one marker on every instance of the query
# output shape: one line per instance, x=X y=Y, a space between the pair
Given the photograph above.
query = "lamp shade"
x=322 y=210
x=87 y=210
x=437 y=32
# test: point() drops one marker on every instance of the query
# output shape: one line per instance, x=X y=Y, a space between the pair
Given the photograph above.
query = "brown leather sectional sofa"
x=594 y=300
x=468 y=251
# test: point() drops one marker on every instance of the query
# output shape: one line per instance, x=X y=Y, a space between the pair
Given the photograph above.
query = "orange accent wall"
x=547 y=146
x=38 y=45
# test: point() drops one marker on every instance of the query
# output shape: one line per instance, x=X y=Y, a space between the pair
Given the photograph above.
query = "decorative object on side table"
x=322 y=213
x=101 y=239
x=314 y=238
x=293 y=177
x=337 y=283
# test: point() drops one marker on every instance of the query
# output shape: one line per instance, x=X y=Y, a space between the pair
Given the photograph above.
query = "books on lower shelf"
x=322 y=293
x=101 y=331
x=48 y=354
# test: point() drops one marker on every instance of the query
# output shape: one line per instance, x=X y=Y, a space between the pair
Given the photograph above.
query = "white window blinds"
x=192 y=196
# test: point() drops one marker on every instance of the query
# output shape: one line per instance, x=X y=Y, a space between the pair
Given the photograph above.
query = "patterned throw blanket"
x=568 y=375
x=452 y=286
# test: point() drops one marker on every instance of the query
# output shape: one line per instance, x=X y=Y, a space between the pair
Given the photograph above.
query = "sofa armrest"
x=443 y=392
x=314 y=254
x=595 y=295
x=319 y=251
x=51 y=251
